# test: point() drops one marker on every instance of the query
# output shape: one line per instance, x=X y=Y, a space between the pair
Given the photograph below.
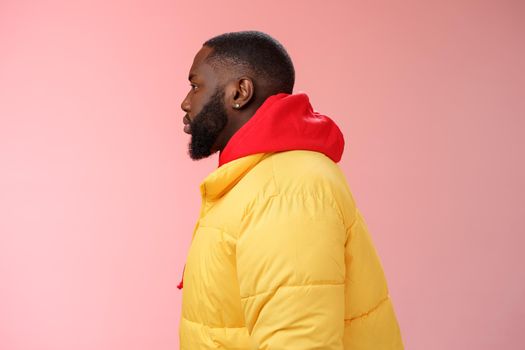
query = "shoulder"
x=306 y=172
x=315 y=178
x=301 y=179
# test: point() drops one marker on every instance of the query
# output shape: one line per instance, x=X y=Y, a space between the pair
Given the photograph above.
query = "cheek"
x=195 y=107
x=198 y=103
x=195 y=110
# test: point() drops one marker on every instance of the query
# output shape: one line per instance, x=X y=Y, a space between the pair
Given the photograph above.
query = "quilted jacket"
x=281 y=258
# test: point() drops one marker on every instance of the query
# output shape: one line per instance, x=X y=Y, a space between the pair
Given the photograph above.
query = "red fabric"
x=181 y=283
x=285 y=122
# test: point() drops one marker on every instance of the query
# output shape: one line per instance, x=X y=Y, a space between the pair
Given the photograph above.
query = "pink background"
x=98 y=197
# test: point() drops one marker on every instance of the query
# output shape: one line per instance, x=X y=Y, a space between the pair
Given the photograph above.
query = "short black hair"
x=263 y=55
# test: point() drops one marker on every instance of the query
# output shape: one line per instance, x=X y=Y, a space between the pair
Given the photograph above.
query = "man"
x=280 y=257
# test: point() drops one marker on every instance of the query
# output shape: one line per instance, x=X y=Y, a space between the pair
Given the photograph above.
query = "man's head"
x=231 y=76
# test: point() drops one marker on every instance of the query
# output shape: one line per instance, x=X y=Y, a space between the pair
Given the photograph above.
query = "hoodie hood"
x=285 y=122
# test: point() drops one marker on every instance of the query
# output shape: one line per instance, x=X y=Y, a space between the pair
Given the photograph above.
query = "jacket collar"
x=224 y=178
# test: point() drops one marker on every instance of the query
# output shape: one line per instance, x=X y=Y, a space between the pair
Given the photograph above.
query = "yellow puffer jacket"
x=272 y=266
x=281 y=259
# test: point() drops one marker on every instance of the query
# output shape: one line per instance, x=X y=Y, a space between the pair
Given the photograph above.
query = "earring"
x=236 y=106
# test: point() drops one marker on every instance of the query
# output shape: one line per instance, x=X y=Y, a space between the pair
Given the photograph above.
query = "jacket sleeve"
x=370 y=321
x=291 y=270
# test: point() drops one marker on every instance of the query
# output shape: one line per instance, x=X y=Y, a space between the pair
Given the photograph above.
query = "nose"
x=185 y=105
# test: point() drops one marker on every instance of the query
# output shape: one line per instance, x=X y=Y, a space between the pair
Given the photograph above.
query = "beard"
x=207 y=126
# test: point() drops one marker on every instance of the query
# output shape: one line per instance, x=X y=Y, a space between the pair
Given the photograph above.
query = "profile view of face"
x=206 y=115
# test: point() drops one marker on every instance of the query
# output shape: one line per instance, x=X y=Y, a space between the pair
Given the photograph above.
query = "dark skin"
x=239 y=90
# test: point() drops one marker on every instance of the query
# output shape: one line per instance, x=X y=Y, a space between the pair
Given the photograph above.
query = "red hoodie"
x=285 y=122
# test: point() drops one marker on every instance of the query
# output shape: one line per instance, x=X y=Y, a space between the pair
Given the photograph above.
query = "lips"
x=187 y=124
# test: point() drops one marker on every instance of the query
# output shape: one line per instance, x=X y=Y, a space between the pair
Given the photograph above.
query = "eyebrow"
x=191 y=76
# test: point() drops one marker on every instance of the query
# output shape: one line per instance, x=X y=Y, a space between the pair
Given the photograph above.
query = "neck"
x=235 y=122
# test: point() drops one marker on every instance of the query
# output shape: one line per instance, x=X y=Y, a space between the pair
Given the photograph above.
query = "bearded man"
x=281 y=257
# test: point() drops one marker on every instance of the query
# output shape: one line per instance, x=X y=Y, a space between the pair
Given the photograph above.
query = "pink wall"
x=98 y=197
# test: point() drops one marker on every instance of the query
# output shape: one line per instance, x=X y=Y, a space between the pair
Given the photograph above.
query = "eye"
x=193 y=87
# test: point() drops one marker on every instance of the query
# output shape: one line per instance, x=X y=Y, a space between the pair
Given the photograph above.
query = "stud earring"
x=236 y=106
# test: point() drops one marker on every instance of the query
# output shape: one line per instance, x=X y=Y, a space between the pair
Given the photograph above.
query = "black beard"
x=206 y=127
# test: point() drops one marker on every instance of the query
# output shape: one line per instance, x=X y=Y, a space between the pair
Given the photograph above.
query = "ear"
x=243 y=92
